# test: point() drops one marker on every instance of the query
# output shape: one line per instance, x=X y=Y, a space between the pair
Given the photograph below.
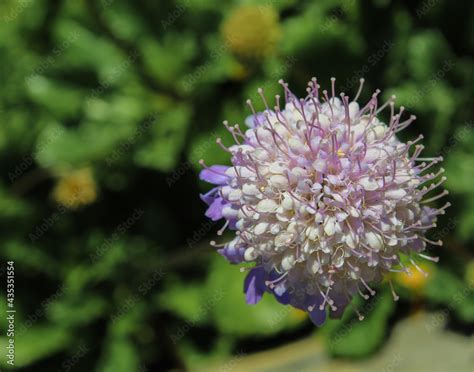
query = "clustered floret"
x=323 y=198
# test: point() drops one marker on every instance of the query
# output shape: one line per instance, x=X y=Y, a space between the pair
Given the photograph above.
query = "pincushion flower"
x=324 y=199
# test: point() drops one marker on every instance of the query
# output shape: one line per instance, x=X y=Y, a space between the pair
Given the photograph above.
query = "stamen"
x=445 y=192
x=271 y=283
x=405 y=124
x=231 y=131
x=219 y=142
x=438 y=243
x=260 y=92
x=221 y=231
x=363 y=295
x=216 y=245
x=371 y=291
x=394 y=294
x=249 y=103
x=418 y=267
x=361 y=85
x=429 y=258
x=390 y=100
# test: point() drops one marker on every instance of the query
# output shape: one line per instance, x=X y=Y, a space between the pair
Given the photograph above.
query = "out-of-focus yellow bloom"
x=469 y=274
x=417 y=280
x=298 y=315
x=252 y=31
x=75 y=189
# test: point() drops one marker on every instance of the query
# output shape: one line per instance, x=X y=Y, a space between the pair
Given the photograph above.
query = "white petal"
x=368 y=184
x=284 y=238
x=267 y=206
x=320 y=165
x=395 y=194
x=288 y=262
x=250 y=189
x=250 y=254
x=374 y=240
x=260 y=228
x=330 y=226
x=279 y=181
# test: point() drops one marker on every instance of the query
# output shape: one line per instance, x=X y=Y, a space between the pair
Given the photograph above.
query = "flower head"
x=76 y=189
x=252 y=31
x=324 y=199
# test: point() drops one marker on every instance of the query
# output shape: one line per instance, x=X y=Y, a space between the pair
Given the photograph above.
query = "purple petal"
x=254 y=121
x=234 y=255
x=341 y=303
x=279 y=291
x=210 y=196
x=317 y=316
x=215 y=174
x=254 y=285
x=281 y=294
x=214 y=212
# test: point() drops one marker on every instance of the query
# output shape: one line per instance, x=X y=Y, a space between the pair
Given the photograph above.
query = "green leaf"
x=71 y=312
x=168 y=60
x=62 y=101
x=426 y=53
x=232 y=315
x=38 y=343
x=443 y=286
x=447 y=289
x=186 y=300
x=120 y=356
x=168 y=137
x=352 y=338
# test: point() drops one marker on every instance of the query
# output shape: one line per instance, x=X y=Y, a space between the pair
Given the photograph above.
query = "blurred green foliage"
x=136 y=91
